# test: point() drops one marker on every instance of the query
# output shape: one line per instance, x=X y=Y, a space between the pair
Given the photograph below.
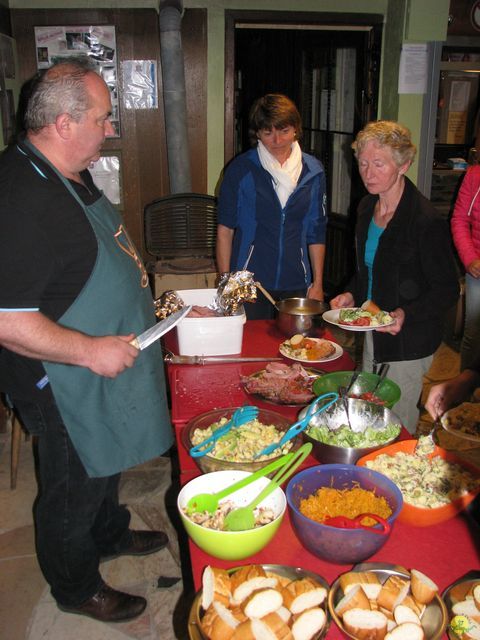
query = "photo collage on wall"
x=97 y=43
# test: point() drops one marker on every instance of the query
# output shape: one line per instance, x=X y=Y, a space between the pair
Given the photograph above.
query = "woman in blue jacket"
x=272 y=209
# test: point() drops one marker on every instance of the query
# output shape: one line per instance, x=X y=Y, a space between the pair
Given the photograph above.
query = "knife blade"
x=152 y=334
x=171 y=358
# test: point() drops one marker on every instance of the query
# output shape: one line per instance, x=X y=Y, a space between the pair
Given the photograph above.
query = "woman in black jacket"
x=404 y=263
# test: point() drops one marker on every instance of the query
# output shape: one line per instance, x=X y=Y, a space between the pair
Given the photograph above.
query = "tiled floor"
x=28 y=612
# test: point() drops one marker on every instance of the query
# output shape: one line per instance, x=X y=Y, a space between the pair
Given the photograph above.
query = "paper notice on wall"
x=139 y=83
x=456 y=126
x=459 y=96
x=106 y=176
x=413 y=69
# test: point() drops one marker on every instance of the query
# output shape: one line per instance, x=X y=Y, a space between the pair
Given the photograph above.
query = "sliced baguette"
x=303 y=594
x=402 y=613
x=371 y=307
x=410 y=602
x=249 y=579
x=219 y=623
x=406 y=631
x=393 y=591
x=215 y=586
x=278 y=626
x=467 y=608
x=365 y=625
x=354 y=599
x=308 y=623
x=476 y=595
x=262 y=602
x=369 y=581
x=423 y=589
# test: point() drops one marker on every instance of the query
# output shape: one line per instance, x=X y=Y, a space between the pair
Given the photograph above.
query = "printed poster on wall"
x=97 y=43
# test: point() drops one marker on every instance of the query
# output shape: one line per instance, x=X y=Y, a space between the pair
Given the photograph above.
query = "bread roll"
x=423 y=589
x=303 y=594
x=365 y=625
x=406 y=631
x=370 y=306
x=393 y=591
x=262 y=602
x=215 y=586
x=256 y=629
x=308 y=623
x=219 y=623
x=354 y=599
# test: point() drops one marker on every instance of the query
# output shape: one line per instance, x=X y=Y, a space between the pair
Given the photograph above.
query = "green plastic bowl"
x=232 y=545
x=388 y=391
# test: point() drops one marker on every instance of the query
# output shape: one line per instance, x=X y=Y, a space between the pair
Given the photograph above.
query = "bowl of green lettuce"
x=340 y=438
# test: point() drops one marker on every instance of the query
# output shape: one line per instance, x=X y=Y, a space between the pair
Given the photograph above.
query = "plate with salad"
x=365 y=318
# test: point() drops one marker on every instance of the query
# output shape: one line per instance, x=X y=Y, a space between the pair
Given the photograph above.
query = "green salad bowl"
x=388 y=392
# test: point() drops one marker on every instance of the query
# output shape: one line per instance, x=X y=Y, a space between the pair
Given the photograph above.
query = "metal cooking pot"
x=300 y=315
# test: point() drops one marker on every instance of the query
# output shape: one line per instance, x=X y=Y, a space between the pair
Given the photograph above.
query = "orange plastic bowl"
x=417 y=516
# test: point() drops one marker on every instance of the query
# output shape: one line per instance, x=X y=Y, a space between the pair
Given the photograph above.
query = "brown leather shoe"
x=141 y=544
x=109 y=605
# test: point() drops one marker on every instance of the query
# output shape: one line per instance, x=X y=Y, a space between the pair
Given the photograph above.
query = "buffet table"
x=444 y=552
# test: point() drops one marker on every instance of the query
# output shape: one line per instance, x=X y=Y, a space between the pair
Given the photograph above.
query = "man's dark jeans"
x=77 y=518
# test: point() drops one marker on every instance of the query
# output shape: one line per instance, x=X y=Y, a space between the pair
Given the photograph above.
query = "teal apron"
x=113 y=423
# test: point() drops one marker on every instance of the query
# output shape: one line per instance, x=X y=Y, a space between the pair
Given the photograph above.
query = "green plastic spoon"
x=209 y=501
x=243 y=518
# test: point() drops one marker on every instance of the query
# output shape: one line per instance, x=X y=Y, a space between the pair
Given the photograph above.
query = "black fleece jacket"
x=414 y=269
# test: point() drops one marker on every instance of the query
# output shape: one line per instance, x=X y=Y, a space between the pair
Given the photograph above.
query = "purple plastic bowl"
x=340 y=546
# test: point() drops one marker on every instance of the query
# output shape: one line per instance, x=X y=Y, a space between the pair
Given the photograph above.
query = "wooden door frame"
x=232 y=17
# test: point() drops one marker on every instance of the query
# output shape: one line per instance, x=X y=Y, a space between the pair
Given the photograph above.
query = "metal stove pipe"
x=174 y=95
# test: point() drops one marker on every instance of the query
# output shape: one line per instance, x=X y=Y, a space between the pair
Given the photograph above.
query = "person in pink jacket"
x=466 y=236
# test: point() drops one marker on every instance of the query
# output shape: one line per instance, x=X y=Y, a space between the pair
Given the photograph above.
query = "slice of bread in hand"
x=365 y=625
x=423 y=589
x=308 y=623
x=303 y=594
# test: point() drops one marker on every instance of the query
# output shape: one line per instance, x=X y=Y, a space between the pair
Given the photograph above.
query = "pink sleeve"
x=461 y=221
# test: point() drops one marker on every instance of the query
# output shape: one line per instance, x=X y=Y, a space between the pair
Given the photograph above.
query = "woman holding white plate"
x=404 y=263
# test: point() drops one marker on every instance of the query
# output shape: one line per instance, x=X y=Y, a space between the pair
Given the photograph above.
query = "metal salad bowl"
x=357 y=419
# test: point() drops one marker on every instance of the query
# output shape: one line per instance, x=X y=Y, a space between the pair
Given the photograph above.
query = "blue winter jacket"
x=270 y=241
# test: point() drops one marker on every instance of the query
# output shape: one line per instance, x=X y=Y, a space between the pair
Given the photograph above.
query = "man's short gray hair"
x=60 y=89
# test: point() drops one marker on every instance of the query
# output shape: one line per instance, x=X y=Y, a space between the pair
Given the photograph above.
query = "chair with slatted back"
x=180 y=232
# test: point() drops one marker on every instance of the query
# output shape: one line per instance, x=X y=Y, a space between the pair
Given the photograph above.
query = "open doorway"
x=328 y=64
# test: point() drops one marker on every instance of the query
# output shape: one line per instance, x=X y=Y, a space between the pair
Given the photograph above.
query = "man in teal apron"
x=73 y=294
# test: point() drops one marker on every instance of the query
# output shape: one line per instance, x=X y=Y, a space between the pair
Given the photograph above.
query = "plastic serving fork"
x=239 y=417
x=243 y=518
x=209 y=501
x=302 y=424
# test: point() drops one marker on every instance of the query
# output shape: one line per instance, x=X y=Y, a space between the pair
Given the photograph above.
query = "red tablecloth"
x=444 y=552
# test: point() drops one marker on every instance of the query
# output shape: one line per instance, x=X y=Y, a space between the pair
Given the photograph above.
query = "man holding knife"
x=73 y=296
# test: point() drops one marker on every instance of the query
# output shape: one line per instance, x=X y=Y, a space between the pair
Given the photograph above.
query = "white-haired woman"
x=404 y=263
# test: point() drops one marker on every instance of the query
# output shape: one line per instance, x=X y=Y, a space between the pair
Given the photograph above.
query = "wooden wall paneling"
x=142 y=142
